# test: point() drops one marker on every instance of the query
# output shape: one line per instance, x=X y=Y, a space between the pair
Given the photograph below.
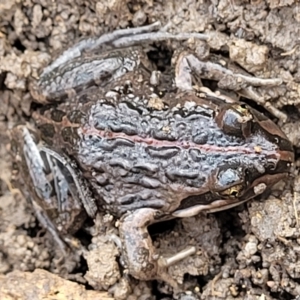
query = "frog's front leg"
x=139 y=253
x=188 y=65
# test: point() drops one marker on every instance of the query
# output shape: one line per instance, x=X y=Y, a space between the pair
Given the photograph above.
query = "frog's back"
x=137 y=151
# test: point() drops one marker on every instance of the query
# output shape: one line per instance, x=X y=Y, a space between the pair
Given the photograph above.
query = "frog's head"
x=271 y=158
x=265 y=157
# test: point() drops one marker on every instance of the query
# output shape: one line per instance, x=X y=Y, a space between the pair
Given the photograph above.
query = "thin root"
x=295 y=208
x=213 y=282
x=288 y=53
x=12 y=190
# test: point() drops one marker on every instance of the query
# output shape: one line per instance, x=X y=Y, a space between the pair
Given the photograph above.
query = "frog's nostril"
x=271 y=166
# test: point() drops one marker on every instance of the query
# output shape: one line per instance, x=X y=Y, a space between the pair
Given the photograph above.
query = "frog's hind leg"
x=48 y=187
x=48 y=224
x=77 y=69
x=91 y=44
x=121 y=38
x=155 y=37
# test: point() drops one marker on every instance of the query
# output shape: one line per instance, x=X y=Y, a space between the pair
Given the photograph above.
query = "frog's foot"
x=70 y=247
x=188 y=66
x=48 y=224
x=139 y=255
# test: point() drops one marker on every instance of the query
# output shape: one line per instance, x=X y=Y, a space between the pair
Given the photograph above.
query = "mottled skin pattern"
x=145 y=155
x=136 y=156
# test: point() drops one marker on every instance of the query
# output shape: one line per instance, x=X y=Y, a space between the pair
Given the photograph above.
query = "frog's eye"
x=230 y=182
x=233 y=192
x=235 y=119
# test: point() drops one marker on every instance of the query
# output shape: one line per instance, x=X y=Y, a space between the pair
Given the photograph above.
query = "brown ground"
x=251 y=252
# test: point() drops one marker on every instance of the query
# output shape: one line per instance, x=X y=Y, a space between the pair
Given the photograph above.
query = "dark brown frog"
x=113 y=139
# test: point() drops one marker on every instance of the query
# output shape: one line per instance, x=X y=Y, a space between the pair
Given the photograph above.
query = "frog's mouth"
x=216 y=206
x=258 y=186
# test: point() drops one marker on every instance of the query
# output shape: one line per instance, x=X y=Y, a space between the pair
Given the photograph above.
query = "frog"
x=109 y=136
